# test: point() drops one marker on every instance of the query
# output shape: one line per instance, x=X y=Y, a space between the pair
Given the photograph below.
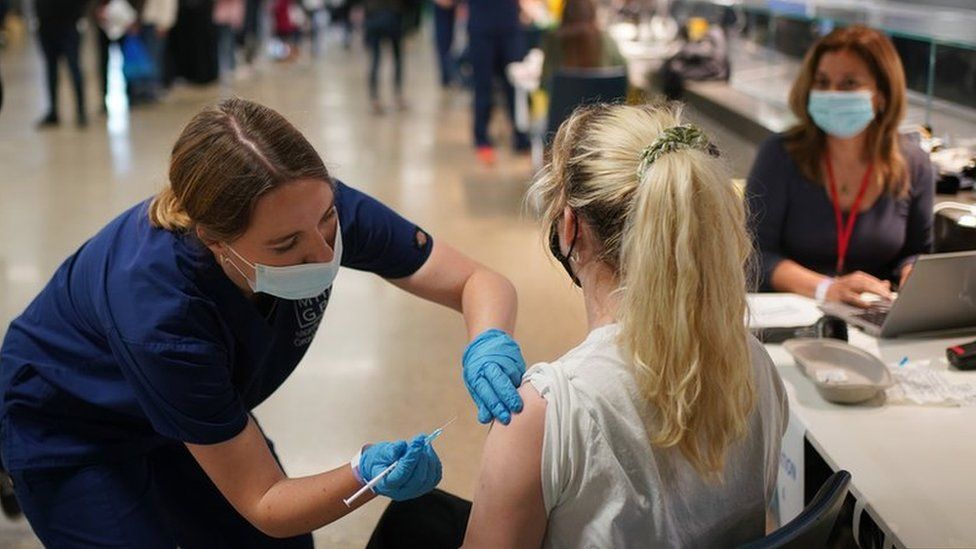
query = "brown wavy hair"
x=806 y=143
x=227 y=157
x=579 y=35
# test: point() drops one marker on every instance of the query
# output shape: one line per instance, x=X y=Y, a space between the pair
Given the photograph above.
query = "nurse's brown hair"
x=228 y=156
x=806 y=143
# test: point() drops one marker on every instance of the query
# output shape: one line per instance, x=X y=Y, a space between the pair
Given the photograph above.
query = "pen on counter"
x=903 y=362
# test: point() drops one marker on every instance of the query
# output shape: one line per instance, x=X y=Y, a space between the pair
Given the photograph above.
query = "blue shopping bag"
x=137 y=64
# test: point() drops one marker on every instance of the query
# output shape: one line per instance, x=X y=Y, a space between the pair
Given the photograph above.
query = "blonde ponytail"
x=673 y=229
x=683 y=304
x=166 y=212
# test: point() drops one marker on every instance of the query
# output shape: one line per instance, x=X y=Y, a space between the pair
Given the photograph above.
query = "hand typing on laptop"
x=849 y=289
x=939 y=297
x=876 y=301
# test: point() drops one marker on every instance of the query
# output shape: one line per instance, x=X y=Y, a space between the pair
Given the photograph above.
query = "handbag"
x=137 y=64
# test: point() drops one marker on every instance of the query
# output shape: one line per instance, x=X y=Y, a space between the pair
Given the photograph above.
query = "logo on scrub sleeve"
x=309 y=313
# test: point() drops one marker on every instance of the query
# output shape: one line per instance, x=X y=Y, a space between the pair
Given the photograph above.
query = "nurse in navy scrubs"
x=127 y=384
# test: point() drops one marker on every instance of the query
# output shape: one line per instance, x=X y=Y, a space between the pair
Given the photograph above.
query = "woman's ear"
x=567 y=230
x=587 y=244
x=216 y=247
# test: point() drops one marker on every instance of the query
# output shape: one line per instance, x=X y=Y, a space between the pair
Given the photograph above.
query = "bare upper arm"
x=509 y=510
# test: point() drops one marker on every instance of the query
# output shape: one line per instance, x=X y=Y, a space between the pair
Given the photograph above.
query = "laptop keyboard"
x=875 y=315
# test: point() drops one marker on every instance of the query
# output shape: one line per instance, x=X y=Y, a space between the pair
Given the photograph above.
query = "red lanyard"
x=844 y=232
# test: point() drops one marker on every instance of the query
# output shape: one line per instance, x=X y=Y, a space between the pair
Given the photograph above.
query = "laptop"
x=939 y=296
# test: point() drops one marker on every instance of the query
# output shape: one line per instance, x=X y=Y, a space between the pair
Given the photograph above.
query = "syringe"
x=369 y=485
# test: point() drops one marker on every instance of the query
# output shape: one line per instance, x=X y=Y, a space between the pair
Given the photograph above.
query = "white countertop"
x=914 y=467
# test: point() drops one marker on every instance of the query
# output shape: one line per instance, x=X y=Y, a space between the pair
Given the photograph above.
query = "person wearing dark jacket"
x=59 y=37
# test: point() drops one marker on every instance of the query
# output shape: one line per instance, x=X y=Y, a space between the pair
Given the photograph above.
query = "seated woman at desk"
x=662 y=428
x=578 y=42
x=840 y=203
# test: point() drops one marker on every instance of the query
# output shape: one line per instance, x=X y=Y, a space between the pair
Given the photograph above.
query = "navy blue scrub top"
x=140 y=339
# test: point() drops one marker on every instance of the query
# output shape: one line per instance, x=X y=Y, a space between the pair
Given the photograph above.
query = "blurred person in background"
x=315 y=13
x=287 y=15
x=445 y=16
x=192 y=44
x=340 y=13
x=495 y=40
x=4 y=8
x=158 y=17
x=578 y=42
x=384 y=23
x=228 y=16
x=59 y=36
x=104 y=46
x=253 y=14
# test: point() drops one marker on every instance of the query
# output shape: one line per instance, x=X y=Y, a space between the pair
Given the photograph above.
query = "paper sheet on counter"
x=920 y=383
x=780 y=310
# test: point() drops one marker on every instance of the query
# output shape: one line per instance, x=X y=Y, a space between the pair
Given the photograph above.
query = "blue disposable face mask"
x=293 y=282
x=841 y=114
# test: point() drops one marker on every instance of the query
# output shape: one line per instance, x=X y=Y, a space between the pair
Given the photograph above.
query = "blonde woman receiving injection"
x=663 y=427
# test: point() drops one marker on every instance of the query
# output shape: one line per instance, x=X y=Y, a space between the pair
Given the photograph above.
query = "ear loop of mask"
x=558 y=253
x=227 y=259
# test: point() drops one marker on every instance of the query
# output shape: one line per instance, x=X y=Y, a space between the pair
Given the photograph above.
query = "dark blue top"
x=496 y=16
x=140 y=339
x=793 y=218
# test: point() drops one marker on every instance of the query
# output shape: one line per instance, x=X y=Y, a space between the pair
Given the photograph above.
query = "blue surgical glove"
x=418 y=471
x=493 y=368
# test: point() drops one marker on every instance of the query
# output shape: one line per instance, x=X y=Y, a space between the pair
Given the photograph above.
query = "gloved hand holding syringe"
x=378 y=462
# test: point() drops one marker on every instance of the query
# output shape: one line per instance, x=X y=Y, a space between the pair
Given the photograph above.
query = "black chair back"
x=812 y=527
x=574 y=87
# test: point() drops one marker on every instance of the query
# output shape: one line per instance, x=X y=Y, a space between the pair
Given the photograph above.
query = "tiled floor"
x=384 y=365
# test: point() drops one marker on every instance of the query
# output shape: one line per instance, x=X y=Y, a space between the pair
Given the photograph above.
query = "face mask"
x=841 y=114
x=558 y=253
x=295 y=281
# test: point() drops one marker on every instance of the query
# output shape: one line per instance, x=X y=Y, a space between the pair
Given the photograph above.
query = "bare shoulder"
x=531 y=417
x=518 y=442
x=508 y=508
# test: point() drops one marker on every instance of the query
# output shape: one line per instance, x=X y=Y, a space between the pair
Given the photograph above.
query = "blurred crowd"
x=162 y=43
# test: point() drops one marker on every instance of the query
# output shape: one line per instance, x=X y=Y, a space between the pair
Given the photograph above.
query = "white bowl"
x=841 y=373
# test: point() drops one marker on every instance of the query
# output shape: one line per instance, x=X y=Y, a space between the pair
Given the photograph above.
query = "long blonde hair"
x=674 y=233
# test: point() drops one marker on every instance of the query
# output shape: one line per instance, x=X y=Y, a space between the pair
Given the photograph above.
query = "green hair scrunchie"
x=674 y=138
